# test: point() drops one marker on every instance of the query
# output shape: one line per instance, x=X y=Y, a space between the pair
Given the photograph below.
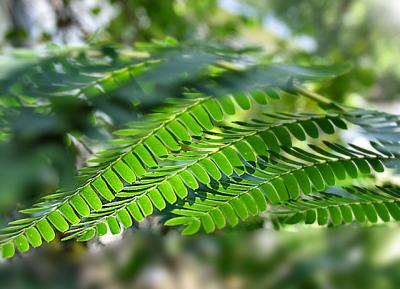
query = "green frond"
x=143 y=145
x=278 y=179
x=216 y=155
x=340 y=206
x=233 y=152
x=148 y=142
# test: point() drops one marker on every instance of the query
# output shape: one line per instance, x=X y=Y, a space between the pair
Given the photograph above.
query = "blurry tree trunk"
x=27 y=26
x=21 y=22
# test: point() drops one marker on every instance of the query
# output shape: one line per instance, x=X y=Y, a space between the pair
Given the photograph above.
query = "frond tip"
x=340 y=206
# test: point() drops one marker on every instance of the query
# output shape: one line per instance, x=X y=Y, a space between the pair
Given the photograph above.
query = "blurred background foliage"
x=364 y=32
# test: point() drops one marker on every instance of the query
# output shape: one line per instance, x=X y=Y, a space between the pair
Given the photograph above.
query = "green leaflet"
x=102 y=188
x=291 y=186
x=280 y=189
x=125 y=171
x=87 y=235
x=46 y=230
x=228 y=105
x=69 y=213
x=190 y=122
x=179 y=131
x=249 y=203
x=271 y=141
x=101 y=229
x=296 y=130
x=124 y=218
x=336 y=215
x=33 y=237
x=283 y=136
x=156 y=147
x=179 y=187
x=316 y=178
x=243 y=101
x=157 y=199
x=258 y=145
x=207 y=223
x=8 y=250
x=218 y=218
x=58 y=221
x=246 y=151
x=223 y=163
x=214 y=109
x=202 y=117
x=271 y=193
x=189 y=180
x=327 y=174
x=134 y=210
x=230 y=214
x=240 y=209
x=145 y=156
x=80 y=205
x=192 y=228
x=22 y=243
x=145 y=205
x=91 y=198
x=113 y=225
x=200 y=173
x=322 y=216
x=211 y=168
x=382 y=212
x=234 y=161
x=168 y=193
x=303 y=181
x=259 y=199
x=134 y=164
x=310 y=128
x=168 y=139
x=113 y=180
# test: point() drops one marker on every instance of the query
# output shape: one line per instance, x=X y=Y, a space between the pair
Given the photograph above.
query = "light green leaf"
x=46 y=230
x=58 y=221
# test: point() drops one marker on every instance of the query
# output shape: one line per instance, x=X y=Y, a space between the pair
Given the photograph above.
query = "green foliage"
x=204 y=156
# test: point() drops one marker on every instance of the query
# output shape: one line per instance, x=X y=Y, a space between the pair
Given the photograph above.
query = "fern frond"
x=278 y=179
x=144 y=144
x=217 y=156
x=147 y=144
x=337 y=206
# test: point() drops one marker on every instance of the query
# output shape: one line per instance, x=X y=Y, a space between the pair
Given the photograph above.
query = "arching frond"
x=206 y=161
